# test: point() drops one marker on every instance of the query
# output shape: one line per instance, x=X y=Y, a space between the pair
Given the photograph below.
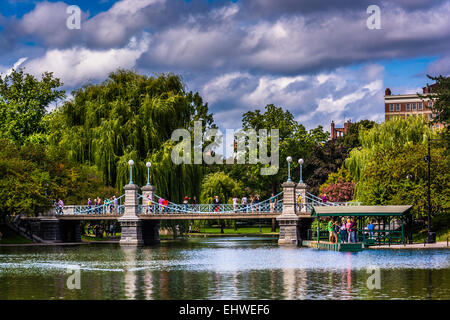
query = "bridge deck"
x=179 y=216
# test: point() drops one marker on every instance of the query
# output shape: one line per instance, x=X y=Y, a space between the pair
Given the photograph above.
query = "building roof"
x=329 y=211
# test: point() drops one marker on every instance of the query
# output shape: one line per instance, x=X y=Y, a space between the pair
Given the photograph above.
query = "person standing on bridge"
x=257 y=203
x=299 y=202
x=216 y=202
x=244 y=203
x=194 y=203
x=252 y=201
x=160 y=204
x=111 y=205
x=149 y=205
x=273 y=202
x=116 y=204
x=60 y=205
x=186 y=202
x=99 y=204
x=324 y=198
x=235 y=203
x=107 y=203
x=89 y=203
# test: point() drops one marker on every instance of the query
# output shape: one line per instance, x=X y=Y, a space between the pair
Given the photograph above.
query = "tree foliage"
x=23 y=103
x=294 y=141
x=30 y=179
x=130 y=116
x=221 y=185
x=389 y=168
x=323 y=160
x=339 y=186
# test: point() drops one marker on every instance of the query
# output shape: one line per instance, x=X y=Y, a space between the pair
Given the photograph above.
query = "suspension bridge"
x=153 y=208
x=140 y=212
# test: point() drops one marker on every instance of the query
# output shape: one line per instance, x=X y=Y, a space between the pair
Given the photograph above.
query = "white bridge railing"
x=273 y=204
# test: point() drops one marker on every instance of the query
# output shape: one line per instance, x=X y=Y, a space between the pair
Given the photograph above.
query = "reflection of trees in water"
x=287 y=284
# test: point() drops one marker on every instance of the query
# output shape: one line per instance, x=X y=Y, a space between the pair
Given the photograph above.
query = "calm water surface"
x=220 y=268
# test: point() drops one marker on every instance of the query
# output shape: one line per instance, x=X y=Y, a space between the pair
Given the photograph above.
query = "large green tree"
x=389 y=168
x=327 y=158
x=30 y=178
x=131 y=116
x=441 y=105
x=221 y=185
x=23 y=105
x=294 y=141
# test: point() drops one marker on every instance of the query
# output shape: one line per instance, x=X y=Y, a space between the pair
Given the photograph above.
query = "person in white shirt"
x=235 y=203
x=244 y=203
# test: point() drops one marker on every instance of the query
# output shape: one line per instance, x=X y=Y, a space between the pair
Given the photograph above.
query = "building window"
x=430 y=116
x=391 y=107
x=430 y=104
x=397 y=107
x=419 y=106
x=408 y=107
x=414 y=106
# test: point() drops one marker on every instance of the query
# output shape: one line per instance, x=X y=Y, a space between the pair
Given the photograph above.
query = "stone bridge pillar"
x=301 y=189
x=288 y=220
x=304 y=222
x=130 y=223
x=293 y=223
x=147 y=191
x=150 y=228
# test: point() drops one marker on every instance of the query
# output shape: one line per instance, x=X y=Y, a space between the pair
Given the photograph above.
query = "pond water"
x=221 y=268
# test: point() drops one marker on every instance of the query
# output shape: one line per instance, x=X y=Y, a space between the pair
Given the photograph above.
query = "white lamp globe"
x=130 y=162
x=289 y=159
x=300 y=161
x=148 y=164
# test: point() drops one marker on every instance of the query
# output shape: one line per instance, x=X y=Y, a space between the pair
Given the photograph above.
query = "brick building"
x=339 y=132
x=409 y=105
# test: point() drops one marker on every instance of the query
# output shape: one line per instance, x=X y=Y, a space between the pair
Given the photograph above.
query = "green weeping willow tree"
x=389 y=167
x=131 y=116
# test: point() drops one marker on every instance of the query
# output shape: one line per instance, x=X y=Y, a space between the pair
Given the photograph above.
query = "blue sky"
x=315 y=58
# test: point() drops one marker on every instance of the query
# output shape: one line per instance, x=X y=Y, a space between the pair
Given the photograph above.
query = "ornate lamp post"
x=289 y=159
x=131 y=163
x=148 y=164
x=300 y=162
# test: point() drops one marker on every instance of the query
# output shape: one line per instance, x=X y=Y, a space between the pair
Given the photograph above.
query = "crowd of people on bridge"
x=190 y=205
x=98 y=206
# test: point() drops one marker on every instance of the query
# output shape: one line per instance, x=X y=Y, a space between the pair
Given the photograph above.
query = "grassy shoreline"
x=11 y=237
